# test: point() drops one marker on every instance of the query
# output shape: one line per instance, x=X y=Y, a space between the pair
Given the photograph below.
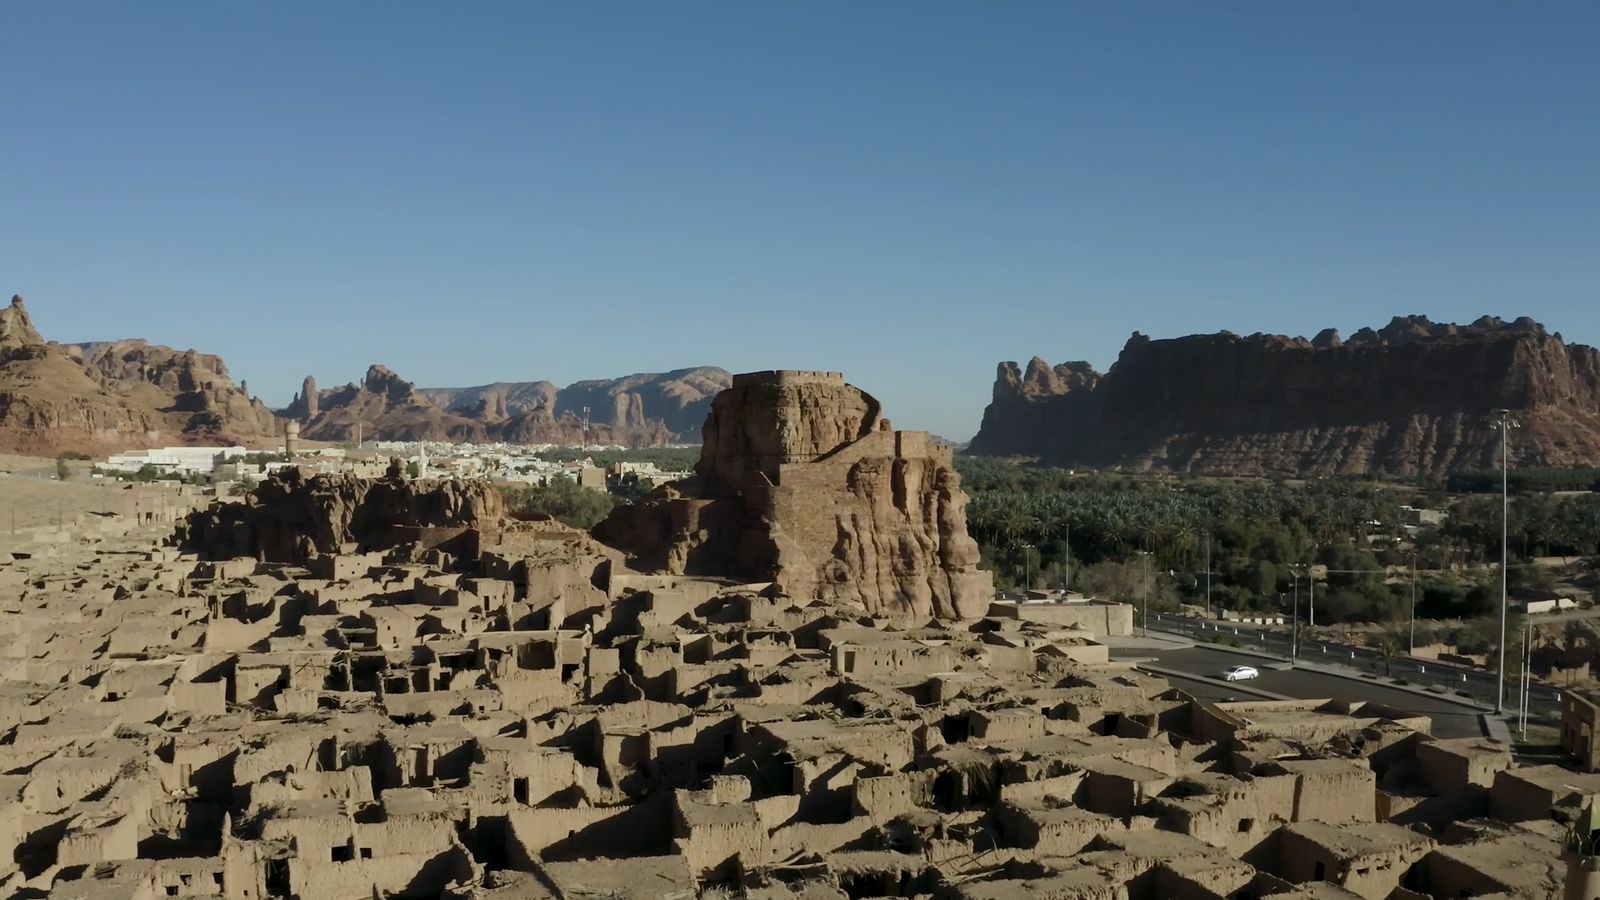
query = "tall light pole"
x=1311 y=602
x=1505 y=557
x=1527 y=671
x=1413 y=641
x=1027 y=571
x=1066 y=576
x=1294 y=633
x=1144 y=614
x=1208 y=573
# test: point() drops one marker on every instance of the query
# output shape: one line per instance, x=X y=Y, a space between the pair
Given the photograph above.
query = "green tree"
x=1388 y=644
x=562 y=499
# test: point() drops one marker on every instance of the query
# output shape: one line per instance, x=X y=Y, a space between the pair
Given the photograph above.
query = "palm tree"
x=1387 y=643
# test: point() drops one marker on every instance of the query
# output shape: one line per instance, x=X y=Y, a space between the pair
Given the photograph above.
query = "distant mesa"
x=1414 y=398
x=643 y=410
x=803 y=482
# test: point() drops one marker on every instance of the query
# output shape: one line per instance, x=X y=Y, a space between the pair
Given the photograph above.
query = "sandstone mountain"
x=1415 y=398
x=803 y=482
x=637 y=411
x=381 y=406
x=677 y=400
x=100 y=398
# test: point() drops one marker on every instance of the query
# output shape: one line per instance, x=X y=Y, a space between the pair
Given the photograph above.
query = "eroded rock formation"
x=383 y=406
x=803 y=482
x=640 y=409
x=104 y=397
x=16 y=329
x=291 y=518
x=1415 y=398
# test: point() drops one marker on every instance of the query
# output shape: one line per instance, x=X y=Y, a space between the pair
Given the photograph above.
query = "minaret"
x=422 y=464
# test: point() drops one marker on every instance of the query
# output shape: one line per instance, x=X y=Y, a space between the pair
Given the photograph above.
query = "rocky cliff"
x=637 y=411
x=16 y=329
x=99 y=398
x=382 y=406
x=803 y=482
x=668 y=403
x=290 y=518
x=1415 y=398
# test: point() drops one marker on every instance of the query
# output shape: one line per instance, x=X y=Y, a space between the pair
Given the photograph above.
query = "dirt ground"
x=31 y=494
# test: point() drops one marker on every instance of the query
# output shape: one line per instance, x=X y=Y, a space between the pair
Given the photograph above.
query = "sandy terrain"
x=31 y=495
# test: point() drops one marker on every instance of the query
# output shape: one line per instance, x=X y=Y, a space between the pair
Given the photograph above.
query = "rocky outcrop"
x=386 y=407
x=382 y=406
x=16 y=329
x=1415 y=398
x=105 y=397
x=307 y=404
x=191 y=387
x=803 y=482
x=290 y=518
x=639 y=410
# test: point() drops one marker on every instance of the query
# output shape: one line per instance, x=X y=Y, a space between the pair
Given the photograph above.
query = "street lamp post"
x=1066 y=576
x=1208 y=573
x=1505 y=557
x=1311 y=602
x=1027 y=571
x=1144 y=614
x=1413 y=639
x=1527 y=670
x=1294 y=633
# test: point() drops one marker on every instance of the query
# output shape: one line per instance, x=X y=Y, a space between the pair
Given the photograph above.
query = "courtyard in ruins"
x=784 y=676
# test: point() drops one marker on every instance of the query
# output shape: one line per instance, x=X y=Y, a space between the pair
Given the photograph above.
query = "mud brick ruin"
x=786 y=679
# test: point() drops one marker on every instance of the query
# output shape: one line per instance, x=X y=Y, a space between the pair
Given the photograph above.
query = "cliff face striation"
x=803 y=482
x=98 y=398
x=1415 y=398
x=636 y=411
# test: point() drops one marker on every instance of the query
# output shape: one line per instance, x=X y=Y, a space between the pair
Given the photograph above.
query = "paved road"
x=1544 y=700
x=1449 y=719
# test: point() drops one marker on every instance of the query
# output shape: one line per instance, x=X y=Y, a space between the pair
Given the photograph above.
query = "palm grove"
x=1128 y=538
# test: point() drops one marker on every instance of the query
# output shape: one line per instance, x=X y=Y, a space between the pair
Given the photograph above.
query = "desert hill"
x=677 y=401
x=101 y=398
x=1415 y=398
x=637 y=410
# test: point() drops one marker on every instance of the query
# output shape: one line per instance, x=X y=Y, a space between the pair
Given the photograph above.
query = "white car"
x=1240 y=673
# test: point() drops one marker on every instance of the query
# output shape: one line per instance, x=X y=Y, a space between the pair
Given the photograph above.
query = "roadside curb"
x=1228 y=685
x=1335 y=672
x=1172 y=642
x=1381 y=681
x=1420 y=661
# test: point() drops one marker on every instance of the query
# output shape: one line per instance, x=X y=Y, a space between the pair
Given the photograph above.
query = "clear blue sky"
x=906 y=191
